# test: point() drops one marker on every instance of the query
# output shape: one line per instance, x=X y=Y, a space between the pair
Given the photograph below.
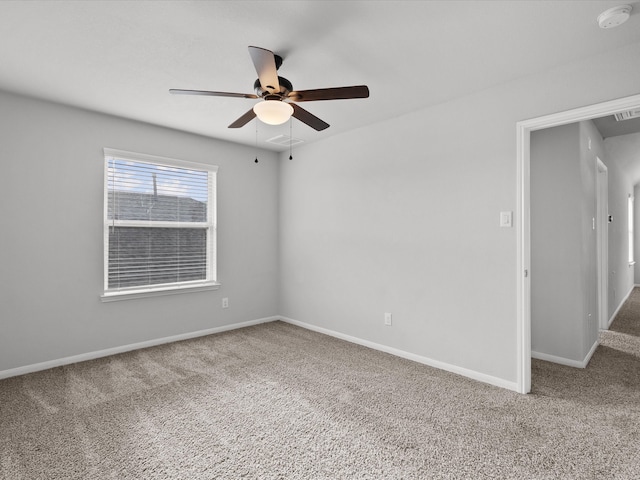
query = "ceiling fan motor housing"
x=285 y=88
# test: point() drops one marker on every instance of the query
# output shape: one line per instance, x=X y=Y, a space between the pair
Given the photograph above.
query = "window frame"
x=210 y=225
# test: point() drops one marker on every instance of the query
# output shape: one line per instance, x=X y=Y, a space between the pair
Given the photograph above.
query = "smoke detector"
x=614 y=16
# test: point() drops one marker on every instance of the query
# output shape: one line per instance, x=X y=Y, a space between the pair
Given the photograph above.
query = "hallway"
x=611 y=380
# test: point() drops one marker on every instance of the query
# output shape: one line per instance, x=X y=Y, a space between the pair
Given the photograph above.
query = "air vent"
x=627 y=115
x=285 y=140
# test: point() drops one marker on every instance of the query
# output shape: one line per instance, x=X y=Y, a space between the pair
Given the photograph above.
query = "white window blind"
x=159 y=223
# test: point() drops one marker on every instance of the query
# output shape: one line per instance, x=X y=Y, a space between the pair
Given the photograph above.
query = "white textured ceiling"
x=122 y=57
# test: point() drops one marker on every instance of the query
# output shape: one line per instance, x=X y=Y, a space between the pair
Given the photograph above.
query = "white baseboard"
x=36 y=367
x=567 y=361
x=474 y=375
x=594 y=347
x=626 y=297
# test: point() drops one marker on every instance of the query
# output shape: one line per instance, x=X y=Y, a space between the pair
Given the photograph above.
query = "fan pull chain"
x=290 y=137
x=256 y=160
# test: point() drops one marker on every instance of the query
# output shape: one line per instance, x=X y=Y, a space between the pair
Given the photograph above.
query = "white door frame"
x=523 y=263
x=602 y=214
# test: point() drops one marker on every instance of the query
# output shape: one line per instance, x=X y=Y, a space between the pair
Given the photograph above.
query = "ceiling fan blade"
x=308 y=118
x=244 y=119
x=337 y=93
x=265 y=63
x=212 y=94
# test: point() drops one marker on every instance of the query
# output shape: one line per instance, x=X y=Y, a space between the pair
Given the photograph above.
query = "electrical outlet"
x=387 y=318
x=225 y=302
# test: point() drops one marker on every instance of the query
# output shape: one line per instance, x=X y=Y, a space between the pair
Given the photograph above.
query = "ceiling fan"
x=278 y=96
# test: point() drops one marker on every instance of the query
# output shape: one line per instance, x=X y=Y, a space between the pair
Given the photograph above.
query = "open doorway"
x=523 y=280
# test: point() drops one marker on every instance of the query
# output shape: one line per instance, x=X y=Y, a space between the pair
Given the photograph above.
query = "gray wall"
x=589 y=262
x=400 y=216
x=403 y=217
x=619 y=159
x=564 y=281
x=564 y=309
x=51 y=246
x=624 y=150
x=557 y=243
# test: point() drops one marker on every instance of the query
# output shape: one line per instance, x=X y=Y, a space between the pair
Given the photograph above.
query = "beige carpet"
x=279 y=402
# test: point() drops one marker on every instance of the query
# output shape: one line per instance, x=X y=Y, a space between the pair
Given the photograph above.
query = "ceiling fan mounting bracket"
x=278 y=60
x=272 y=96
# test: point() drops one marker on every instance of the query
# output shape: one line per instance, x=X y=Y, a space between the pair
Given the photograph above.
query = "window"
x=159 y=225
x=630 y=228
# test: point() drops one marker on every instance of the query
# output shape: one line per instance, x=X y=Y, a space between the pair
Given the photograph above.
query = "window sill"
x=156 y=292
x=631 y=264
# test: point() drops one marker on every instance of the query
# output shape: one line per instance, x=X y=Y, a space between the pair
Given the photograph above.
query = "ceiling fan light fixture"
x=273 y=112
